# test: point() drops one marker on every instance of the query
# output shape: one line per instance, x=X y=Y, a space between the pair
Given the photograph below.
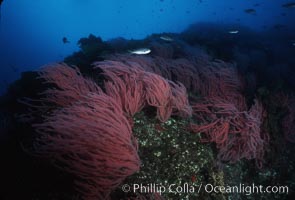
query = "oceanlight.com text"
x=208 y=188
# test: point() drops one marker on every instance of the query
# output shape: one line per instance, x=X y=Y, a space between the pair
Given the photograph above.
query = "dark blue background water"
x=31 y=31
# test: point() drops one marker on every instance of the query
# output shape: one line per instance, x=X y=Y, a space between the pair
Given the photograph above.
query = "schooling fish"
x=65 y=40
x=256 y=4
x=141 y=51
x=250 y=11
x=289 y=5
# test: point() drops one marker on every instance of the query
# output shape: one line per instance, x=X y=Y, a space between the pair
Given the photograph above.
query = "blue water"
x=31 y=31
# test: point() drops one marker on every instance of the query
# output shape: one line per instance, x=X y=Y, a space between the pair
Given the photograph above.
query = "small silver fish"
x=233 y=32
x=166 y=38
x=141 y=51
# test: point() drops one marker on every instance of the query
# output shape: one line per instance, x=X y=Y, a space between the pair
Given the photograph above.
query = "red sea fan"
x=216 y=117
x=180 y=103
x=134 y=88
x=221 y=80
x=247 y=139
x=92 y=140
x=124 y=84
x=237 y=134
x=158 y=94
x=85 y=133
x=69 y=84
